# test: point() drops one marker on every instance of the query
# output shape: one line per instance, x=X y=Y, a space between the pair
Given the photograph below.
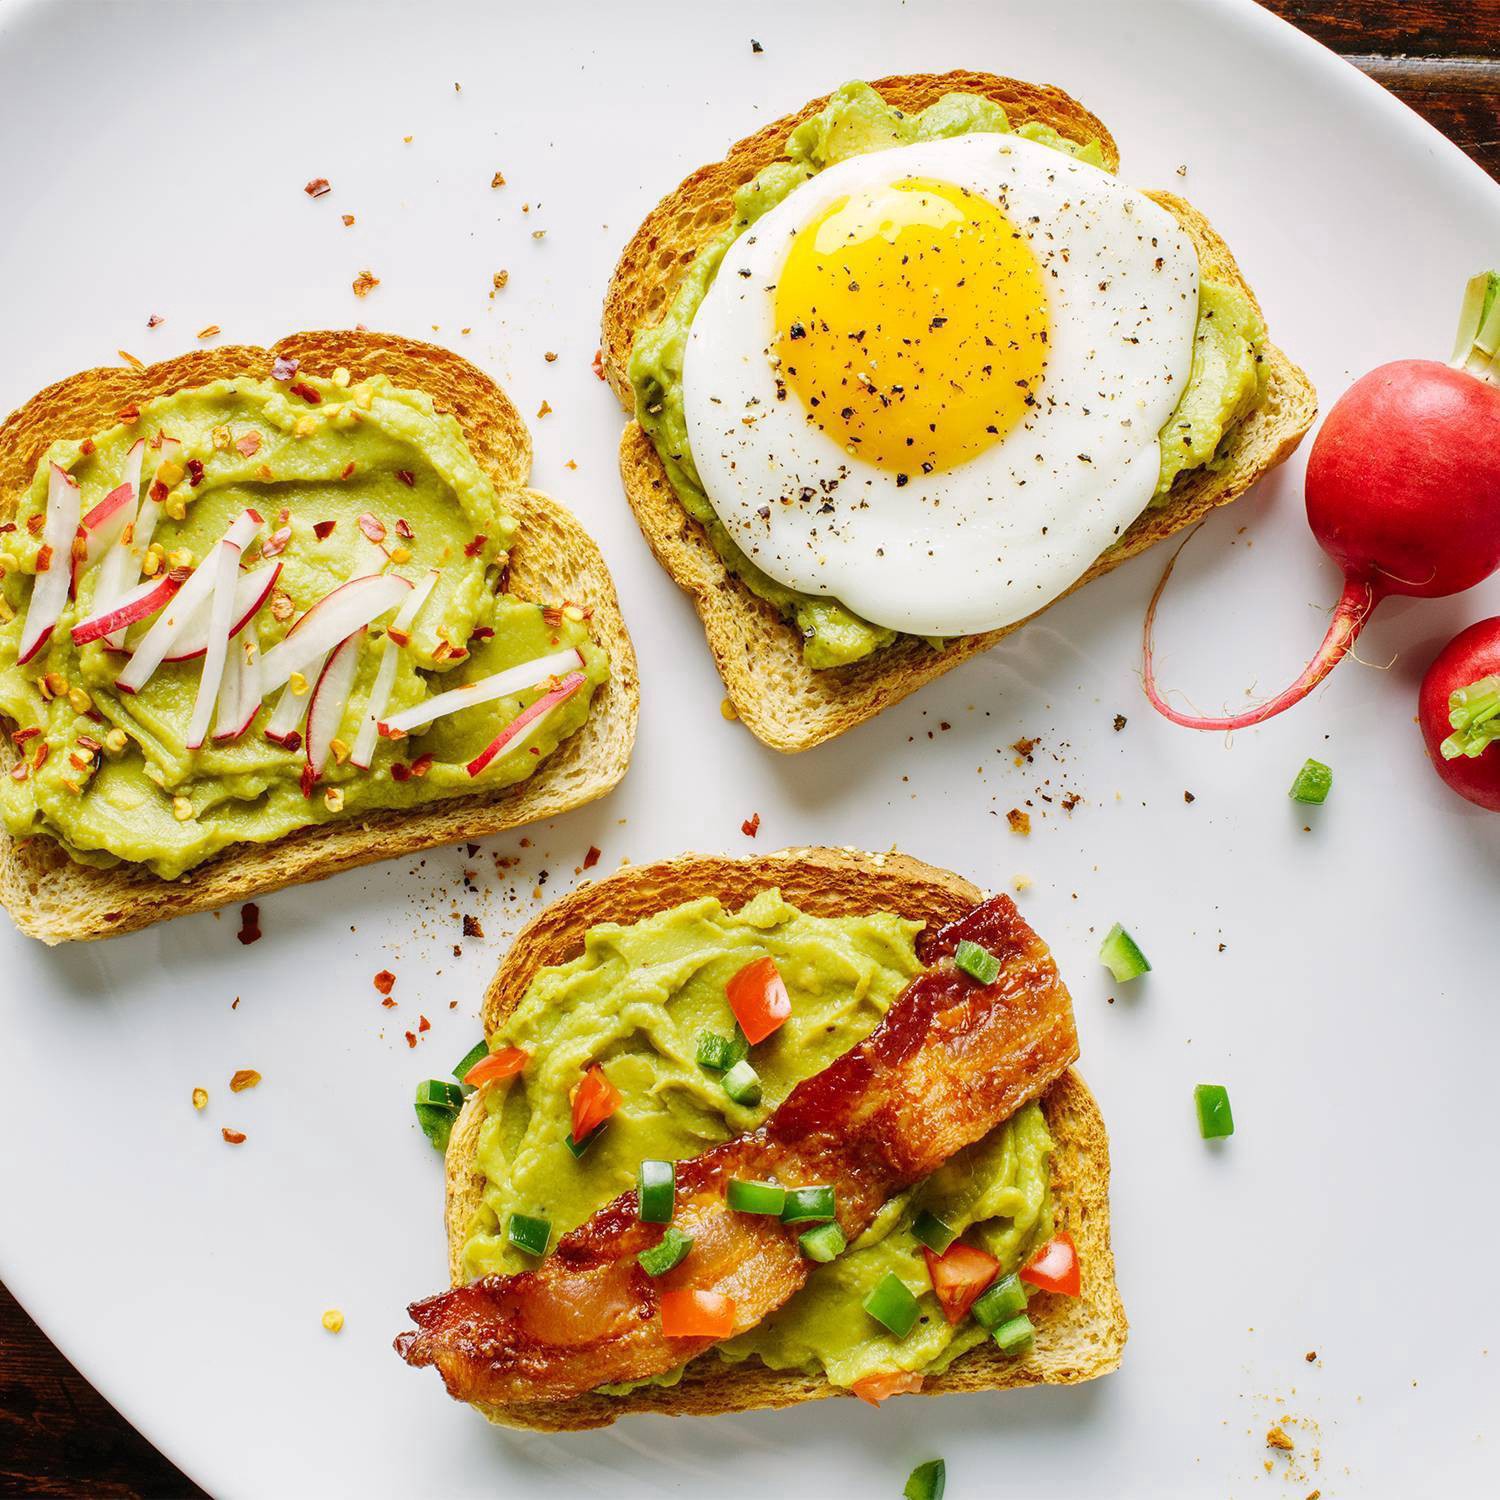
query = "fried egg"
x=930 y=382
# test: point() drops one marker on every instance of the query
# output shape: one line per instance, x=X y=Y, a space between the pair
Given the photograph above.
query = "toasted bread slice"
x=758 y=653
x=1076 y=1339
x=52 y=897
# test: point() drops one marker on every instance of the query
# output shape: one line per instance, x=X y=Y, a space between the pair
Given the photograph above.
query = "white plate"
x=154 y=162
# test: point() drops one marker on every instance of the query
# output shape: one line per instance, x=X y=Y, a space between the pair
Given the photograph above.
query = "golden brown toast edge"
x=1076 y=1340
x=51 y=897
x=781 y=700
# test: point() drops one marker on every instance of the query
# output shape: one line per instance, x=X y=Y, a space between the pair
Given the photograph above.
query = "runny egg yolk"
x=911 y=321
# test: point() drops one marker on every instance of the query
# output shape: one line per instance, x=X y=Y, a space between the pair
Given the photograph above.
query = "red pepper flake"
x=599 y=363
x=195 y=472
x=307 y=393
x=44 y=558
x=308 y=780
x=317 y=188
x=20 y=736
x=348 y=221
x=400 y=771
x=249 y=444
x=284 y=367
x=403 y=529
x=472 y=927
x=249 y=924
x=421 y=765
x=751 y=826
x=474 y=548
x=233 y=1137
x=324 y=529
x=20 y=772
x=592 y=857
x=158 y=491
x=276 y=542
x=129 y=415
x=388 y=1003
x=544 y=410
x=34 y=523
x=406 y=477
x=155 y=320
x=482 y=633
x=365 y=283
x=347 y=472
x=385 y=981
x=411 y=1039
x=498 y=180
x=423 y=1024
x=212 y=331
x=372 y=526
x=130 y=359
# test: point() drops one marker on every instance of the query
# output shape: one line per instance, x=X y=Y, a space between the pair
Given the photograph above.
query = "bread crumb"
x=245 y=1078
x=365 y=283
x=1020 y=822
x=233 y=1137
x=1021 y=883
x=1276 y=1438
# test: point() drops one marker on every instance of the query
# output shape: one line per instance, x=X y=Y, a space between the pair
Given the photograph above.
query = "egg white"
x=988 y=542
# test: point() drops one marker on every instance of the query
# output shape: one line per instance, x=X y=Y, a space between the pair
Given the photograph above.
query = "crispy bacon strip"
x=950 y=1061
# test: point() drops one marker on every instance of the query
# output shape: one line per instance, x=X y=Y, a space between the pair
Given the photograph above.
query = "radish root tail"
x=1350 y=615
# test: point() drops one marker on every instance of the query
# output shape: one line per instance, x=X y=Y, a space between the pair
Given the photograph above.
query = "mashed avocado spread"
x=635 y=1001
x=330 y=465
x=1222 y=387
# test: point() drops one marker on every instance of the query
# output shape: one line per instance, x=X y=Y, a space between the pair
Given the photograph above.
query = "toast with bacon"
x=56 y=899
x=1076 y=1339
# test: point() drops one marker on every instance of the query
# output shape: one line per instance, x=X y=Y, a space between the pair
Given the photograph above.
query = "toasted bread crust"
x=1077 y=1339
x=51 y=897
x=781 y=700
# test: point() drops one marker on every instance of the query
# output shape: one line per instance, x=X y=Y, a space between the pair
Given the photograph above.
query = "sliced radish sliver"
x=486 y=690
x=102 y=527
x=49 y=594
x=527 y=722
x=380 y=694
x=229 y=693
x=236 y=716
x=250 y=592
x=216 y=653
x=135 y=604
x=157 y=641
x=330 y=698
x=290 y=707
x=334 y=618
x=165 y=452
x=121 y=567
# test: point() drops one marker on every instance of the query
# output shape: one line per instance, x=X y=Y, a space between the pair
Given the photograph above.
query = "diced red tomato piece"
x=505 y=1063
x=757 y=996
x=696 y=1315
x=874 y=1389
x=594 y=1100
x=959 y=1275
x=1054 y=1268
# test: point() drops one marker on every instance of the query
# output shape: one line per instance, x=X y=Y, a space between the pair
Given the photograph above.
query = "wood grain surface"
x=58 y=1437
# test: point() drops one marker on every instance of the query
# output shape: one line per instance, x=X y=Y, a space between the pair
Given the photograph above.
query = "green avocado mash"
x=1222 y=387
x=635 y=1001
x=108 y=774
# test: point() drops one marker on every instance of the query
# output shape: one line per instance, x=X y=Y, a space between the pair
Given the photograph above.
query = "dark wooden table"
x=58 y=1437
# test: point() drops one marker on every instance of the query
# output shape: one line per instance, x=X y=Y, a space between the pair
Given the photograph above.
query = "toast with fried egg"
x=786 y=703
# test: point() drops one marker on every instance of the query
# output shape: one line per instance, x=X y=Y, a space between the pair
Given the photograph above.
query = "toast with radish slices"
x=551 y=561
x=1077 y=1338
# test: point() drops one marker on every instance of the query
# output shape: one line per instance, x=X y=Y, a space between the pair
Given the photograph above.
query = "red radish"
x=247 y=651
x=169 y=625
x=526 y=723
x=1458 y=708
x=396 y=637
x=165 y=453
x=1403 y=492
x=335 y=617
x=330 y=699
x=143 y=600
x=251 y=591
x=49 y=594
x=498 y=685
